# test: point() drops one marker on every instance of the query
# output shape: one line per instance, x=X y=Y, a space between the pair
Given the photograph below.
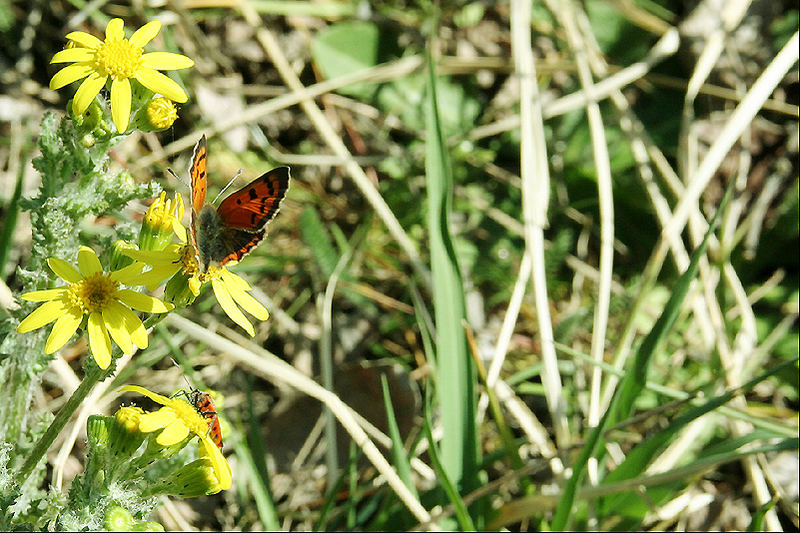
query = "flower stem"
x=94 y=375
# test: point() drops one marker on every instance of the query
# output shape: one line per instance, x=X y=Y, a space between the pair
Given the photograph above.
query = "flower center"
x=196 y=423
x=212 y=273
x=93 y=293
x=118 y=58
x=189 y=260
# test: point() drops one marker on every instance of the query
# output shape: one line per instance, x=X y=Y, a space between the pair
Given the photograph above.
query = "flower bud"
x=162 y=220
x=118 y=519
x=147 y=525
x=161 y=113
x=180 y=290
x=118 y=258
x=198 y=478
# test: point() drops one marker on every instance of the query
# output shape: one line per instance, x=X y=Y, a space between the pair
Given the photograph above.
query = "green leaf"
x=318 y=240
x=454 y=368
x=462 y=515
x=399 y=456
x=345 y=48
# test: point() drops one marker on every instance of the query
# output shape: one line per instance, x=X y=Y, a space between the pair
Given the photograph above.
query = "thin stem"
x=93 y=376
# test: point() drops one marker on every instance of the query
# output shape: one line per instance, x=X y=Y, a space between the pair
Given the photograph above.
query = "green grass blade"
x=694 y=468
x=265 y=507
x=254 y=456
x=462 y=515
x=399 y=457
x=454 y=369
x=634 y=381
x=757 y=521
x=639 y=457
x=330 y=500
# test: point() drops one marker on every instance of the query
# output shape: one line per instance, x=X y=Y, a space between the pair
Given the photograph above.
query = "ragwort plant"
x=133 y=456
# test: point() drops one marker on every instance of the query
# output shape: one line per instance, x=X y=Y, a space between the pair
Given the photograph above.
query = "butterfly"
x=204 y=405
x=232 y=230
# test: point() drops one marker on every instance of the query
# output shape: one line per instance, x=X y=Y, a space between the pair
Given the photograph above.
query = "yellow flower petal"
x=145 y=34
x=226 y=302
x=99 y=341
x=169 y=255
x=194 y=285
x=73 y=55
x=143 y=302
x=43 y=315
x=179 y=230
x=115 y=30
x=153 y=278
x=43 y=296
x=163 y=400
x=84 y=39
x=247 y=302
x=62 y=330
x=115 y=322
x=88 y=263
x=127 y=274
x=157 y=420
x=121 y=103
x=166 y=61
x=222 y=469
x=230 y=277
x=87 y=91
x=159 y=83
x=173 y=433
x=69 y=74
x=133 y=325
x=64 y=270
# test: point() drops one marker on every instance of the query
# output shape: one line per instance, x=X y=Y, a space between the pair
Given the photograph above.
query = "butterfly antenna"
x=180 y=179
x=174 y=362
x=225 y=188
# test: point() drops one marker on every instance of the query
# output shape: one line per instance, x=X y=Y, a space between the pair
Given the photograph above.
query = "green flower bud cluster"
x=127 y=468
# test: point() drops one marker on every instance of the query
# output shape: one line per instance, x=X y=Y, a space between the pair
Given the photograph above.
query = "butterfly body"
x=231 y=231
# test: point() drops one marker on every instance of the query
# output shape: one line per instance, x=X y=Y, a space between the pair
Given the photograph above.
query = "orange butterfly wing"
x=252 y=206
x=199 y=183
x=246 y=212
x=198 y=174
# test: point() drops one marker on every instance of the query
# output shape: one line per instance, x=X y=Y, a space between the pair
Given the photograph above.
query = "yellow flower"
x=163 y=218
x=92 y=292
x=230 y=289
x=177 y=420
x=120 y=59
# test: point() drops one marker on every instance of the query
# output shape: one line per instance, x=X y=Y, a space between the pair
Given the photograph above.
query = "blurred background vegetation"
x=382 y=315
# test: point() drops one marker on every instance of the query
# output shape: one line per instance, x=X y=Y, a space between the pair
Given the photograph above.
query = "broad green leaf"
x=345 y=48
x=455 y=373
